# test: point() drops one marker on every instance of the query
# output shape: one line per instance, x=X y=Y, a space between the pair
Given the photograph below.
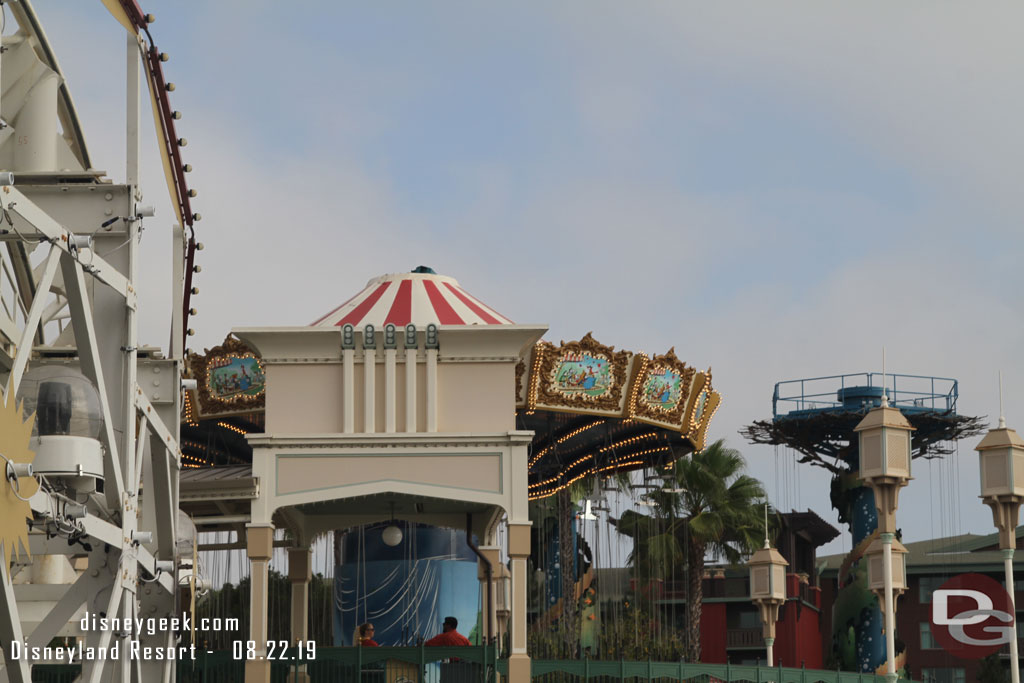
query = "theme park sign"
x=972 y=616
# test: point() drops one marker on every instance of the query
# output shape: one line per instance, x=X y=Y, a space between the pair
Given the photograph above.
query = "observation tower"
x=816 y=417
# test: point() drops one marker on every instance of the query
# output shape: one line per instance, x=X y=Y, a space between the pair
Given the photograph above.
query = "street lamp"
x=1001 y=456
x=885 y=452
x=768 y=588
x=875 y=556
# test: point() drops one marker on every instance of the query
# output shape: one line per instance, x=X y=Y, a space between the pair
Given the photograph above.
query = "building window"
x=943 y=675
x=750 y=620
x=927 y=642
x=927 y=585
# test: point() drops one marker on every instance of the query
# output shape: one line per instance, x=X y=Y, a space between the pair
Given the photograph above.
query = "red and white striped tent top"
x=419 y=297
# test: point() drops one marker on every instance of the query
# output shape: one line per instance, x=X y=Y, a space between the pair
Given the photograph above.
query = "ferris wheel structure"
x=90 y=439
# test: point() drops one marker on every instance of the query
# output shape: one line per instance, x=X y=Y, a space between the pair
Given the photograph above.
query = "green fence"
x=469 y=665
x=622 y=671
x=357 y=665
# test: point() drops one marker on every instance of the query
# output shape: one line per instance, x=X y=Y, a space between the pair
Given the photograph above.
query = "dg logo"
x=972 y=616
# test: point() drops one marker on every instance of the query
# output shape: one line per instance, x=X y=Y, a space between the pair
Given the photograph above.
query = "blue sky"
x=776 y=189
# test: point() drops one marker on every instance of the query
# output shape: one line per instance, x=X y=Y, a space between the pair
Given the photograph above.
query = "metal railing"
x=473 y=664
x=904 y=391
x=744 y=637
x=477 y=663
x=622 y=671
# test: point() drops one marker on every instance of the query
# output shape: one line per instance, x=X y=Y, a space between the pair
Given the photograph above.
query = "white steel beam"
x=81 y=590
x=35 y=313
x=147 y=410
x=10 y=627
x=89 y=357
x=20 y=205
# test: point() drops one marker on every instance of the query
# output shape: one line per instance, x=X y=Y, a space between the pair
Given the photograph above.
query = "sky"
x=776 y=190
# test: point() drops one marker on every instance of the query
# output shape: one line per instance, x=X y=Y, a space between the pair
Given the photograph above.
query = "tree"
x=992 y=670
x=713 y=507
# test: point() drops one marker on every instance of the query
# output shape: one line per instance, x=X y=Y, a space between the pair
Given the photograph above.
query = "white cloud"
x=590 y=215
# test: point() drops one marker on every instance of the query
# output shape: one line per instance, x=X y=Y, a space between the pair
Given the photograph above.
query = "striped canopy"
x=420 y=297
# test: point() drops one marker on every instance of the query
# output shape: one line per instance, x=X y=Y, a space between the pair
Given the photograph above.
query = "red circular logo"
x=972 y=616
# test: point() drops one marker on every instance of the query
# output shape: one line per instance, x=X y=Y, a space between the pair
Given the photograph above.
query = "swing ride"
x=588 y=412
x=816 y=417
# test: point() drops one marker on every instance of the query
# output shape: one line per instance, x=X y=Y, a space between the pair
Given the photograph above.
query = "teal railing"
x=622 y=671
x=474 y=665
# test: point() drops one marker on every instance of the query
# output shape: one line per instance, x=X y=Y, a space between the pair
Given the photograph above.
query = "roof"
x=217 y=483
x=966 y=552
x=420 y=297
x=809 y=525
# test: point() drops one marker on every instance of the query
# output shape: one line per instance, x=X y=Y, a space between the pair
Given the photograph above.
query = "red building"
x=929 y=565
x=731 y=628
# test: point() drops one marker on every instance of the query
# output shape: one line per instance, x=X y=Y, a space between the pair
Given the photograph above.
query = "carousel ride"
x=88 y=502
x=600 y=418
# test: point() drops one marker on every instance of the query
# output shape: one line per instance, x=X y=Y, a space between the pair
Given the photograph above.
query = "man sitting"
x=449 y=635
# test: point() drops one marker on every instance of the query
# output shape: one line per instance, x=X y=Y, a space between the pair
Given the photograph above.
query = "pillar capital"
x=493 y=555
x=259 y=542
x=1005 y=515
x=300 y=565
x=519 y=539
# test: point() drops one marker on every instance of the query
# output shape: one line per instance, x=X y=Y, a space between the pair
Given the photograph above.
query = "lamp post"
x=768 y=588
x=1001 y=456
x=884 y=450
x=878 y=571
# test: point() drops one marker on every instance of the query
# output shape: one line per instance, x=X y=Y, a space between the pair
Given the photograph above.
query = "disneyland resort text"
x=22 y=650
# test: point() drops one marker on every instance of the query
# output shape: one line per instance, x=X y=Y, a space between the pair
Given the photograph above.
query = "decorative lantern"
x=884 y=444
x=768 y=588
x=1001 y=453
x=391 y=535
x=876 y=564
x=885 y=452
x=767 y=575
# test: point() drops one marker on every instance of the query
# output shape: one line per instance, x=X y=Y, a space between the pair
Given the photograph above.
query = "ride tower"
x=816 y=417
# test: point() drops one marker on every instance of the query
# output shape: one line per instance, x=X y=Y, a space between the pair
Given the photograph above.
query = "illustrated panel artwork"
x=231 y=379
x=583 y=375
x=663 y=391
x=230 y=376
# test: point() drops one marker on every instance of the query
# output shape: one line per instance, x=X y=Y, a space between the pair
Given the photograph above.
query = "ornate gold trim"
x=648 y=411
x=700 y=380
x=205 y=402
x=548 y=395
x=700 y=438
x=520 y=372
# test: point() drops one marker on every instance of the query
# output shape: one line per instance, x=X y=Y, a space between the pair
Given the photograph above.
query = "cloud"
x=777 y=190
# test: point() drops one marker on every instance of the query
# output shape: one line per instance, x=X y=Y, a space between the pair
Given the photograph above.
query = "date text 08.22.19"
x=276 y=649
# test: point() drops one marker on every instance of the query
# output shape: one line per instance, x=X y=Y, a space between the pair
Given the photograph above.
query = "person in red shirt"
x=449 y=635
x=365 y=635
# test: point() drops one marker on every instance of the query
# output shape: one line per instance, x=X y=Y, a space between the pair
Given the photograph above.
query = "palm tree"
x=714 y=507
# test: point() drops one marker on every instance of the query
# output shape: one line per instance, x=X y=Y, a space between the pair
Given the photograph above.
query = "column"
x=769 y=616
x=300 y=574
x=489 y=593
x=259 y=547
x=519 y=551
x=890 y=612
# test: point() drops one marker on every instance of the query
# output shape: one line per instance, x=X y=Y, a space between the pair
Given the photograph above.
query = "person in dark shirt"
x=365 y=635
x=449 y=635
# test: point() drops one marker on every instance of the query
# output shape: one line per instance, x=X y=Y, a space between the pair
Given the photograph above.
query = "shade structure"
x=421 y=297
